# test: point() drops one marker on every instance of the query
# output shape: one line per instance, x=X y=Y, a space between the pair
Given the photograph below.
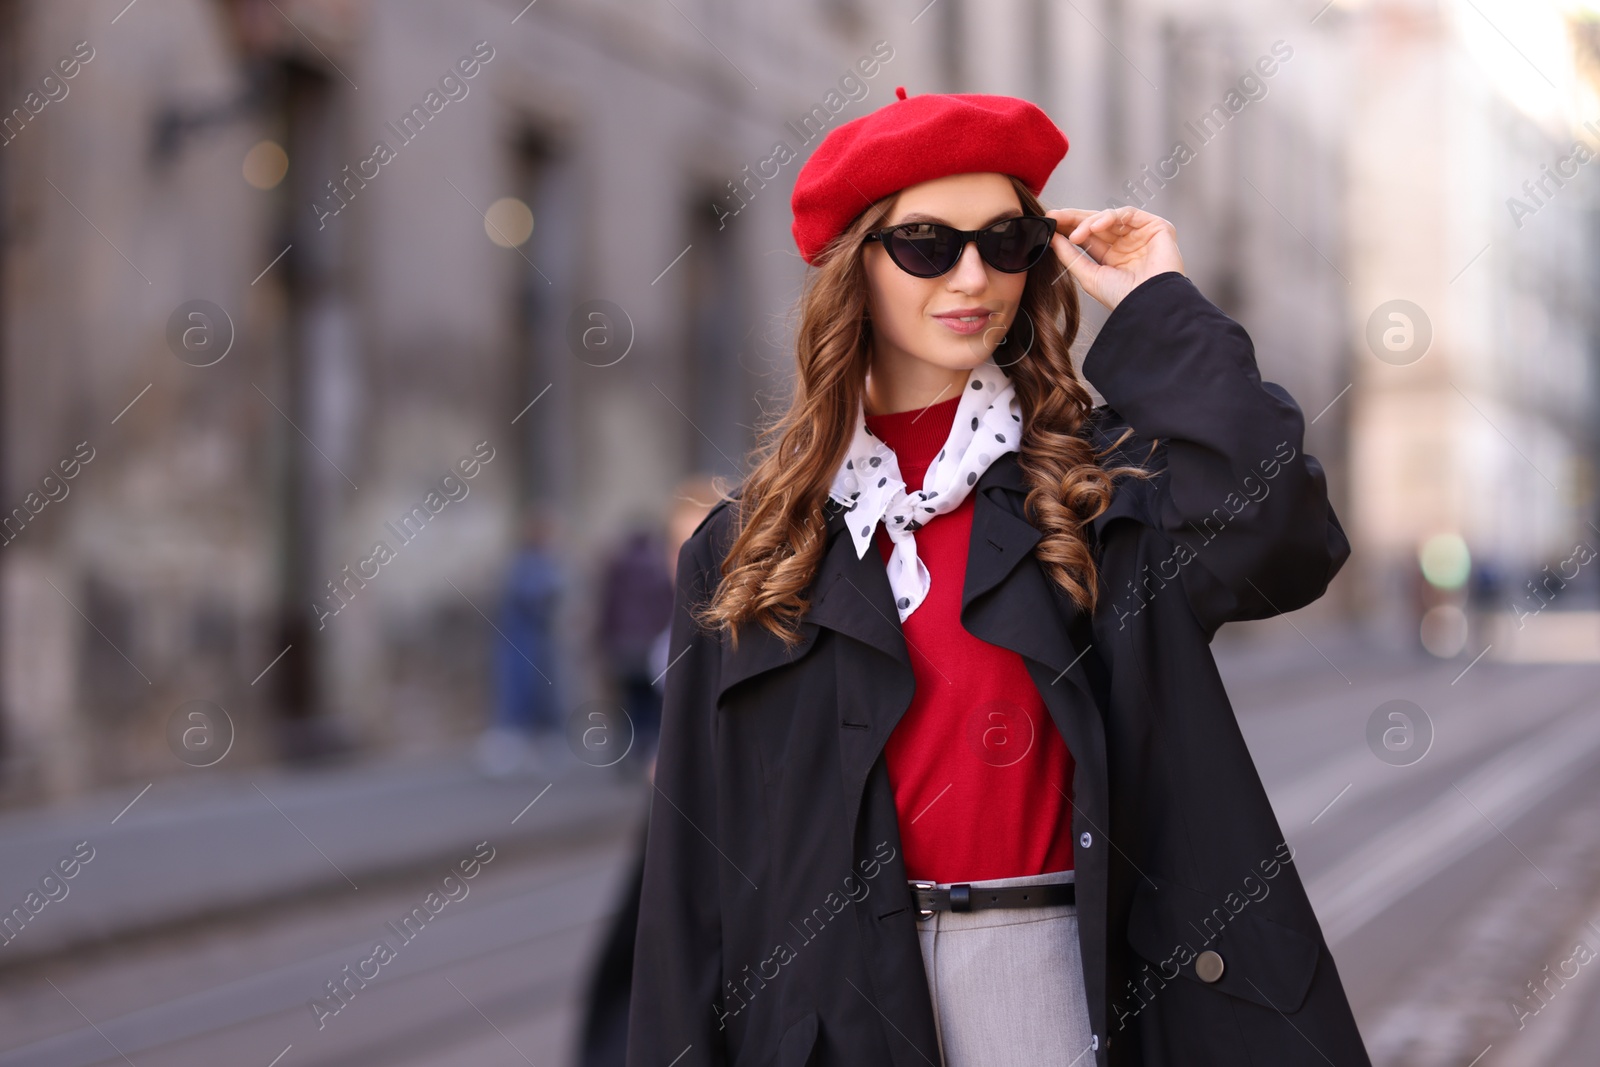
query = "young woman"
x=946 y=772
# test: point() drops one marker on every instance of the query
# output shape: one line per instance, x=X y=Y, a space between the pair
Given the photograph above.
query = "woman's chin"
x=962 y=353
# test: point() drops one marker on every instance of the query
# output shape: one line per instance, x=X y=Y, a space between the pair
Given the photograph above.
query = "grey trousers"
x=1007 y=983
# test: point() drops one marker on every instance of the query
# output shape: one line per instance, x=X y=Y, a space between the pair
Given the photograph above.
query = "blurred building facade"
x=375 y=323
x=1478 y=210
x=1394 y=197
x=305 y=276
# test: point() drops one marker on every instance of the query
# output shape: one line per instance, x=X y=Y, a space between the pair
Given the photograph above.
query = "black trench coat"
x=775 y=927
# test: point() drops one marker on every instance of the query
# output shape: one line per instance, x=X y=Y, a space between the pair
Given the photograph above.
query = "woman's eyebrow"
x=923 y=216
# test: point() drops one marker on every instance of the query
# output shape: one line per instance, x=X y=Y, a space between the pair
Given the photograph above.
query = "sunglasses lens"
x=925 y=249
x=1016 y=244
x=929 y=249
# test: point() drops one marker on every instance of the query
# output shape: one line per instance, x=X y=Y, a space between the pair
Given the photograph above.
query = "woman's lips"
x=963 y=324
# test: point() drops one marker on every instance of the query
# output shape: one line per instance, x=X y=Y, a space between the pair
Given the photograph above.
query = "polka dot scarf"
x=988 y=424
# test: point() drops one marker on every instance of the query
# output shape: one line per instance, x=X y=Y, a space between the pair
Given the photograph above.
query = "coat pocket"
x=795 y=1047
x=1182 y=931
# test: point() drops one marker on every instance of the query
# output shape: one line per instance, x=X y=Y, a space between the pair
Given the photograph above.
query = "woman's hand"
x=1125 y=246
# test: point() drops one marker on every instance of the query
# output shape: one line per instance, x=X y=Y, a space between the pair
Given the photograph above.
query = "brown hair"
x=779 y=523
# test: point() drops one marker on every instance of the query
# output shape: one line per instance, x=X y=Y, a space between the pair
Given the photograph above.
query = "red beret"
x=916 y=139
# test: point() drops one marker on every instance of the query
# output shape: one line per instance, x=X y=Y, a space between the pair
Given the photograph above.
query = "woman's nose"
x=969 y=273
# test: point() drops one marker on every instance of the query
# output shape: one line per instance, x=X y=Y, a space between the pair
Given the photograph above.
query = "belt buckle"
x=922 y=913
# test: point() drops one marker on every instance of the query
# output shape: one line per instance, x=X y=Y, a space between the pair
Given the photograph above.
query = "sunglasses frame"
x=881 y=236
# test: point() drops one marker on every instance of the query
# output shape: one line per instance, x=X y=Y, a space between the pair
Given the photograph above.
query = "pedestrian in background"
x=1486 y=598
x=635 y=606
x=526 y=729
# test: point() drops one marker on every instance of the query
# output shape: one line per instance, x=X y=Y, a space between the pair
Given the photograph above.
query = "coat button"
x=1208 y=966
x=1085 y=840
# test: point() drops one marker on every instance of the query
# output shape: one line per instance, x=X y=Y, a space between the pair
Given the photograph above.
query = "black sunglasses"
x=929 y=249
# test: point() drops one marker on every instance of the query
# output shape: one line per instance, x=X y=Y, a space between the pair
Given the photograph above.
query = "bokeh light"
x=265 y=164
x=1444 y=630
x=508 y=222
x=1445 y=561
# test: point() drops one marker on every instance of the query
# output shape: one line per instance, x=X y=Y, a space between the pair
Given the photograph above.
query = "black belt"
x=963 y=897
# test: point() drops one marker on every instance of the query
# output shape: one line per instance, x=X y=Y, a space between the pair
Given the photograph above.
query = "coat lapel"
x=849 y=595
x=1003 y=603
x=1011 y=601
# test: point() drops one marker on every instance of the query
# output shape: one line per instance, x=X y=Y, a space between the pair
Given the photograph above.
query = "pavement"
x=194 y=848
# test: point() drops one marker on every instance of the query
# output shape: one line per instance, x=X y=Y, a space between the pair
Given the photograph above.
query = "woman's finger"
x=1070 y=220
x=1111 y=222
x=1094 y=244
x=1095 y=222
x=1079 y=263
x=1068 y=217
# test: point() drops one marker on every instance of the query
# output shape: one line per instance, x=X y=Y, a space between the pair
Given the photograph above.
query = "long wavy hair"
x=779 y=523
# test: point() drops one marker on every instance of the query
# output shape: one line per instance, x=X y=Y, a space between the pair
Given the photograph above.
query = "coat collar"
x=852 y=595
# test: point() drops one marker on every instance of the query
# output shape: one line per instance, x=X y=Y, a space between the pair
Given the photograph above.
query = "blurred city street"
x=1448 y=874
x=211 y=917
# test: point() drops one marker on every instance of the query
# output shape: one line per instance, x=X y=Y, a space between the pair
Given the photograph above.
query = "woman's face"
x=921 y=318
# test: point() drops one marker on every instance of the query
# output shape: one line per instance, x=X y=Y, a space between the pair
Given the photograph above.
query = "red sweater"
x=981 y=776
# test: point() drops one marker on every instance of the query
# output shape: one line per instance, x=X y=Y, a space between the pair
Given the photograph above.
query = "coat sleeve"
x=677 y=968
x=1246 y=508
